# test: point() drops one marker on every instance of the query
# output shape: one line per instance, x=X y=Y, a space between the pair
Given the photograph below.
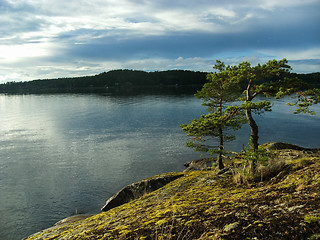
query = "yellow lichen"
x=202 y=201
x=312 y=218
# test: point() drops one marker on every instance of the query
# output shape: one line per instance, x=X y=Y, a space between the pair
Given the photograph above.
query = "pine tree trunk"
x=220 y=156
x=221 y=146
x=253 y=136
x=254 y=130
x=252 y=123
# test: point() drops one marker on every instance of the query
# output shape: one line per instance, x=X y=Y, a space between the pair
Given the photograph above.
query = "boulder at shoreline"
x=138 y=189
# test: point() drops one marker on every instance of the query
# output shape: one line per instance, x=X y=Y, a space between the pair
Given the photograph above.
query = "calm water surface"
x=62 y=154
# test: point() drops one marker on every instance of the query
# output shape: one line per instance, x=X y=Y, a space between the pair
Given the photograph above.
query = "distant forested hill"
x=313 y=79
x=108 y=80
x=123 y=79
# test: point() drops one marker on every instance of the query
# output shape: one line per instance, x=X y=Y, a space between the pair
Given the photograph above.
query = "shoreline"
x=290 y=192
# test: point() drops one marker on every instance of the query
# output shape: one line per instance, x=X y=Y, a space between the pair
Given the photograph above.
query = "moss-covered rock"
x=205 y=205
x=281 y=145
x=138 y=189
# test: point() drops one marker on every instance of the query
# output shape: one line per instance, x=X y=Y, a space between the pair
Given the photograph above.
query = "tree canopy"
x=115 y=79
x=124 y=79
x=272 y=79
x=212 y=128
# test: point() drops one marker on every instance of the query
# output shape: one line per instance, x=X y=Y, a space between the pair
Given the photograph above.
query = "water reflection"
x=65 y=153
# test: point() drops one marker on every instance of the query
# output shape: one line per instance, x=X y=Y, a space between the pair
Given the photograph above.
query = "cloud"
x=12 y=53
x=295 y=55
x=41 y=39
x=274 y=4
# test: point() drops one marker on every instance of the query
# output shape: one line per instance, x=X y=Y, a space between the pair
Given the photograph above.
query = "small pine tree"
x=216 y=94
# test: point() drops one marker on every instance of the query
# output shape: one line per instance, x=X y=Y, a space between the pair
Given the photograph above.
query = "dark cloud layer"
x=196 y=44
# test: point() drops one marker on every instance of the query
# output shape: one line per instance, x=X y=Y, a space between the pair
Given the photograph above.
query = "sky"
x=42 y=39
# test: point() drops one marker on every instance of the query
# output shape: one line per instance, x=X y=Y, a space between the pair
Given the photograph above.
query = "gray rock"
x=281 y=145
x=295 y=208
x=231 y=227
x=72 y=219
x=264 y=207
x=198 y=164
x=138 y=189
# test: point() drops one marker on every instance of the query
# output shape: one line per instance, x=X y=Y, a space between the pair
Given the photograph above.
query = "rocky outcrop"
x=138 y=189
x=72 y=219
x=281 y=146
x=207 y=205
x=198 y=164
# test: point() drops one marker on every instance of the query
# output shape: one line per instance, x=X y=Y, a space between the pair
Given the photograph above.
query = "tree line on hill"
x=108 y=80
x=122 y=79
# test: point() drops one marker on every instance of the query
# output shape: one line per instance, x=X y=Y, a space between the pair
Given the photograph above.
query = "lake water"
x=62 y=154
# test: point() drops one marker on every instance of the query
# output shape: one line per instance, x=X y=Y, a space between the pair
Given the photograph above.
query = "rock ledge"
x=138 y=189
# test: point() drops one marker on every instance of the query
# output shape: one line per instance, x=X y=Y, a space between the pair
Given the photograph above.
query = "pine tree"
x=271 y=79
x=216 y=94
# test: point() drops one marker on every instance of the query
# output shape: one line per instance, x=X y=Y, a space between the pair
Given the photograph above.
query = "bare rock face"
x=288 y=146
x=198 y=164
x=281 y=145
x=72 y=219
x=138 y=189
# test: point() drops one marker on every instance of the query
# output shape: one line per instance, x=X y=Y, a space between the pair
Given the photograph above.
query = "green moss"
x=202 y=204
x=286 y=197
x=316 y=178
x=312 y=218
